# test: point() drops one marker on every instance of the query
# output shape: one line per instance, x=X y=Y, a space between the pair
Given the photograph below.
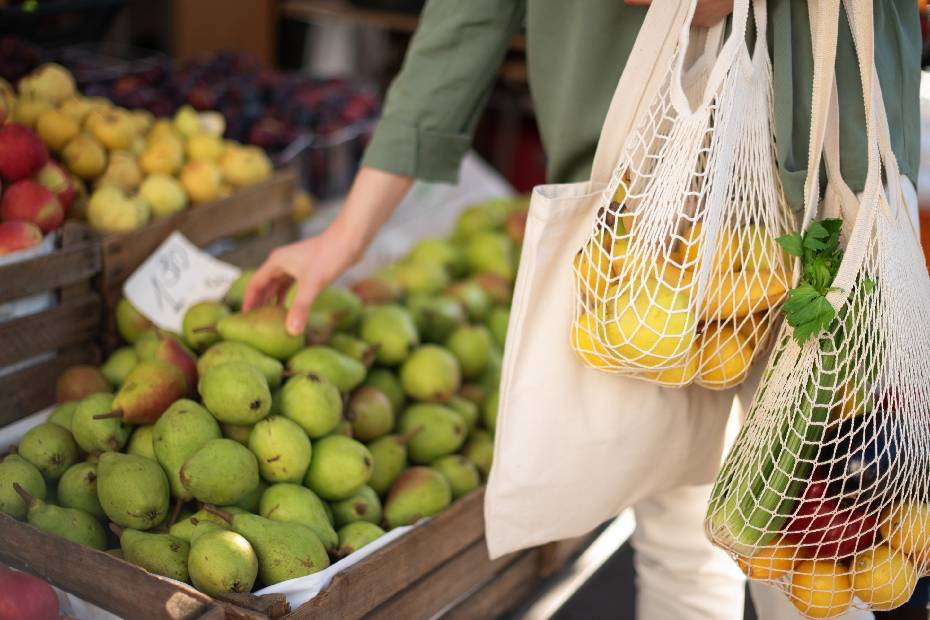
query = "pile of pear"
x=234 y=455
x=127 y=167
x=639 y=314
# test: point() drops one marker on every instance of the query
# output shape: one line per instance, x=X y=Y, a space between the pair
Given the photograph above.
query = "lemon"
x=906 y=526
x=678 y=376
x=883 y=578
x=727 y=256
x=736 y=295
x=586 y=345
x=725 y=357
x=821 y=589
x=760 y=251
x=592 y=268
x=769 y=563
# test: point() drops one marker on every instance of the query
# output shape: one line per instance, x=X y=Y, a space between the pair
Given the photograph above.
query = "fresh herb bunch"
x=807 y=309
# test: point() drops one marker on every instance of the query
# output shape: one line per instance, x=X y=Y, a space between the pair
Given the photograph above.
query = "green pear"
x=251 y=500
x=222 y=561
x=130 y=323
x=223 y=352
x=118 y=365
x=200 y=521
x=78 y=489
x=436 y=317
x=236 y=393
x=356 y=348
x=389 y=459
x=440 y=431
x=70 y=523
x=489 y=411
x=141 y=442
x=63 y=413
x=337 y=368
x=386 y=381
x=479 y=218
x=370 y=413
x=473 y=297
x=461 y=474
x=133 y=490
x=236 y=291
x=179 y=432
x=354 y=536
x=341 y=306
x=161 y=554
x=491 y=252
x=474 y=393
x=339 y=468
x=363 y=506
x=50 y=448
x=421 y=277
x=297 y=504
x=471 y=345
x=418 y=493
x=392 y=330
x=201 y=315
x=220 y=472
x=14 y=469
x=440 y=252
x=313 y=403
x=497 y=323
x=262 y=328
x=344 y=428
x=237 y=432
x=431 y=373
x=282 y=449
x=465 y=408
x=480 y=450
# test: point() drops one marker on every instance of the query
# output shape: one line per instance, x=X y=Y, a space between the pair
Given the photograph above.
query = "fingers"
x=307 y=290
x=260 y=284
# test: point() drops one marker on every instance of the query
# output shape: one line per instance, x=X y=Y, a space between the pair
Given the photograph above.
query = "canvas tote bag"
x=575 y=446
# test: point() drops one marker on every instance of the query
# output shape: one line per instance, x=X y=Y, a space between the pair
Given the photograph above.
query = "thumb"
x=307 y=291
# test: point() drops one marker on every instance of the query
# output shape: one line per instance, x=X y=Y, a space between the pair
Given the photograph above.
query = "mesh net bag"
x=826 y=491
x=681 y=277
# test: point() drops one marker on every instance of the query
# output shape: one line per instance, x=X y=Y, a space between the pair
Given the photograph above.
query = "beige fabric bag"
x=575 y=446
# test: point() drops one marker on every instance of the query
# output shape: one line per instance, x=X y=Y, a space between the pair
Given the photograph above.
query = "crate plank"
x=556 y=554
x=49 y=272
x=502 y=593
x=68 y=324
x=374 y=580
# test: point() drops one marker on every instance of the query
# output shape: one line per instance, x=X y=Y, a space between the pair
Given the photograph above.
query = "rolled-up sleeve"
x=434 y=104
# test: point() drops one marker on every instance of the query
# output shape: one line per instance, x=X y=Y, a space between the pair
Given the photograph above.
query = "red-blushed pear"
x=497 y=287
x=515 y=224
x=15 y=236
x=28 y=201
x=78 y=382
x=150 y=388
x=57 y=180
x=375 y=291
x=22 y=152
x=25 y=596
x=166 y=348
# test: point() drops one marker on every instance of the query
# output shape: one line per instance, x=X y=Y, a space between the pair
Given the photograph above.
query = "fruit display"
x=235 y=455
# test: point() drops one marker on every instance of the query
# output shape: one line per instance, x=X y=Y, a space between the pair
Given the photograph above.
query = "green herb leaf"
x=792 y=244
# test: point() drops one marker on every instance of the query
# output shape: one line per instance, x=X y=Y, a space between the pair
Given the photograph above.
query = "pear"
x=337 y=368
x=282 y=449
x=250 y=501
x=418 y=277
x=498 y=289
x=313 y=403
x=166 y=348
x=471 y=345
x=236 y=291
x=340 y=305
x=79 y=381
x=489 y=411
x=431 y=373
x=491 y=252
x=461 y=474
x=199 y=522
x=293 y=503
x=466 y=409
x=356 y=348
x=474 y=299
x=50 y=448
x=71 y=523
x=149 y=389
x=133 y=490
x=354 y=536
x=419 y=492
x=237 y=432
x=203 y=314
x=370 y=413
x=474 y=393
x=262 y=328
x=285 y=550
x=479 y=218
x=77 y=488
x=389 y=456
x=223 y=352
x=375 y=290
x=344 y=428
x=392 y=330
x=222 y=561
x=179 y=432
x=497 y=322
x=339 y=468
x=161 y=554
x=14 y=469
x=220 y=472
x=62 y=414
x=141 y=442
x=436 y=317
x=119 y=364
x=480 y=450
x=388 y=383
x=363 y=506
x=94 y=434
x=441 y=431
x=440 y=252
x=235 y=393
x=130 y=323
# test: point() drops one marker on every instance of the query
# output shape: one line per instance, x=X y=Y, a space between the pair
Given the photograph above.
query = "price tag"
x=176 y=276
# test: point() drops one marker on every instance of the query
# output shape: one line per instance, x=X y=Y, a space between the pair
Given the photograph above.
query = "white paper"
x=176 y=276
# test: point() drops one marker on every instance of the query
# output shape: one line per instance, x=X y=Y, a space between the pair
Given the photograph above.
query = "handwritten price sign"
x=176 y=276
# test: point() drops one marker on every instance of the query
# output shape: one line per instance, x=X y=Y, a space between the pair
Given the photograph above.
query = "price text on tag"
x=176 y=276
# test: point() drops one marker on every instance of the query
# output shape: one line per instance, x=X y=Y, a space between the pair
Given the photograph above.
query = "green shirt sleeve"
x=435 y=102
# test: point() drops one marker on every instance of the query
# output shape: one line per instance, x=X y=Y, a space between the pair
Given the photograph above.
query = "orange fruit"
x=821 y=589
x=769 y=563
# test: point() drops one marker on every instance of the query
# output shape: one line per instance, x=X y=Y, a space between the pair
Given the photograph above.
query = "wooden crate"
x=265 y=204
x=66 y=331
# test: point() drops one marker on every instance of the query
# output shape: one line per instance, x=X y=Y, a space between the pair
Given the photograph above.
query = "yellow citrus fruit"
x=760 y=250
x=821 y=589
x=727 y=256
x=883 y=578
x=586 y=345
x=906 y=526
x=678 y=376
x=651 y=326
x=725 y=357
x=592 y=268
x=769 y=563
x=735 y=295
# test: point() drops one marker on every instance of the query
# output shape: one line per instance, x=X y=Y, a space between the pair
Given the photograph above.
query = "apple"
x=22 y=152
x=59 y=182
x=16 y=236
x=25 y=596
x=30 y=201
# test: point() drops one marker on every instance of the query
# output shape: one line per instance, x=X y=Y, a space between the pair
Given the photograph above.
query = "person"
x=576 y=53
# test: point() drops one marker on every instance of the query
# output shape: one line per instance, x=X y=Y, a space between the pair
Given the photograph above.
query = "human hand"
x=707 y=13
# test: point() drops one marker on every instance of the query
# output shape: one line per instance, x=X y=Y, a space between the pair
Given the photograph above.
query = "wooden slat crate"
x=265 y=204
x=66 y=331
